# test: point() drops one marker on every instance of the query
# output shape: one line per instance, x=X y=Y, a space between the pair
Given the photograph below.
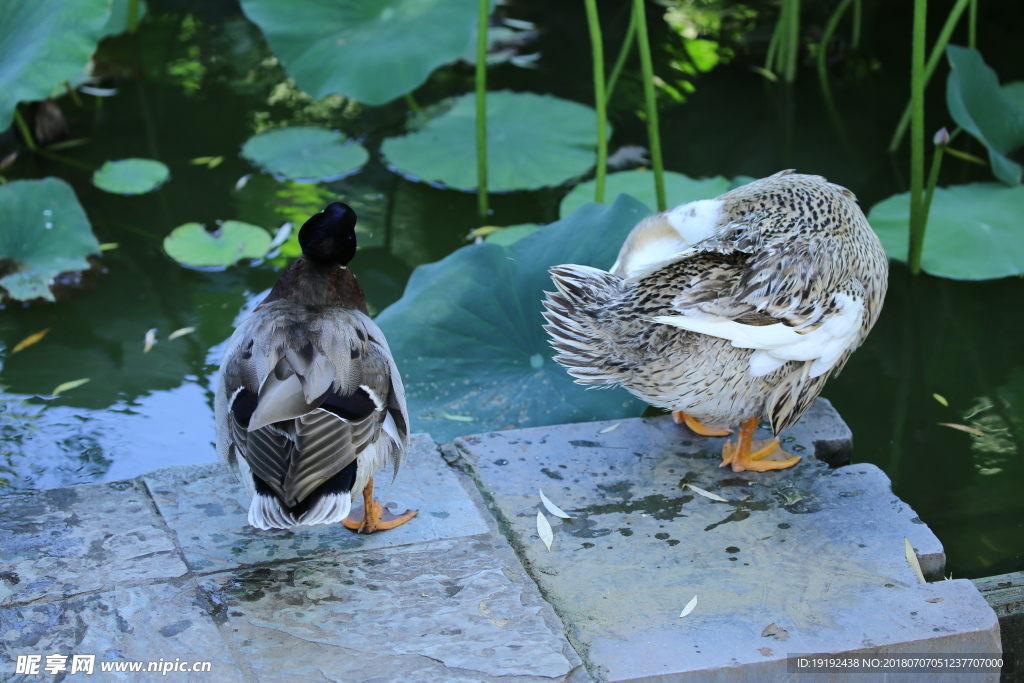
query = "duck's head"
x=329 y=237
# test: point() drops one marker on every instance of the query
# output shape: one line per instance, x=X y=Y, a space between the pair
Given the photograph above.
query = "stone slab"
x=206 y=507
x=168 y=621
x=438 y=611
x=812 y=554
x=62 y=542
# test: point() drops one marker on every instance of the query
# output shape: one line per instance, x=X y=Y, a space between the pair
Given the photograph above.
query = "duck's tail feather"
x=581 y=329
x=268 y=512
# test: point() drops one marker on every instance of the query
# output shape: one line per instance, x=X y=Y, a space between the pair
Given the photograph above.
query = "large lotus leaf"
x=975 y=231
x=304 y=153
x=43 y=232
x=679 y=189
x=130 y=176
x=43 y=43
x=369 y=50
x=118 y=22
x=467 y=335
x=980 y=106
x=533 y=141
x=193 y=245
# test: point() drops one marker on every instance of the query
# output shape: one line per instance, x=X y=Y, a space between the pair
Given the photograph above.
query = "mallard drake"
x=728 y=310
x=309 y=402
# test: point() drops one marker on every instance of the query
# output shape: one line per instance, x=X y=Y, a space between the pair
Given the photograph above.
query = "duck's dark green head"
x=329 y=237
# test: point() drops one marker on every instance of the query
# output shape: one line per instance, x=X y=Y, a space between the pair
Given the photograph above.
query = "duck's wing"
x=788 y=299
x=308 y=397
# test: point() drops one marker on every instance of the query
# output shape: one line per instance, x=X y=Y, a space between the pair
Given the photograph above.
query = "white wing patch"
x=778 y=344
x=697 y=220
x=652 y=245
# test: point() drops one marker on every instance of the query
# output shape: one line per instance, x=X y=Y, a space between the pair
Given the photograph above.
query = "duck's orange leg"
x=697 y=426
x=372 y=516
x=748 y=454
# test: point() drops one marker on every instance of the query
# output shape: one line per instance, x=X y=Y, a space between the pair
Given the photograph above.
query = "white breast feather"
x=777 y=344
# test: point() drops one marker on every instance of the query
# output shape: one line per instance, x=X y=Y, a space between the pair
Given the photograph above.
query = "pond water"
x=198 y=81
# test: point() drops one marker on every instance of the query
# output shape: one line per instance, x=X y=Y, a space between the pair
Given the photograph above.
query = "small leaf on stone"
x=544 y=529
x=706 y=494
x=610 y=429
x=552 y=508
x=60 y=388
x=29 y=340
x=457 y=418
x=912 y=560
x=689 y=607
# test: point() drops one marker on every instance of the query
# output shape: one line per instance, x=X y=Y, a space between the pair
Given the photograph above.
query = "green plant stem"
x=857 y=15
x=917 y=84
x=133 y=15
x=60 y=158
x=933 y=61
x=597 y=49
x=967 y=157
x=481 y=111
x=830 y=28
x=620 y=61
x=933 y=179
x=793 y=41
x=653 y=136
x=74 y=95
x=413 y=104
x=26 y=134
x=972 y=24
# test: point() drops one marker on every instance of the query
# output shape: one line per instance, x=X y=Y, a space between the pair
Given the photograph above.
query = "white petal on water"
x=689 y=607
x=282 y=235
x=150 y=340
x=912 y=560
x=180 y=333
x=610 y=429
x=706 y=494
x=552 y=508
x=544 y=529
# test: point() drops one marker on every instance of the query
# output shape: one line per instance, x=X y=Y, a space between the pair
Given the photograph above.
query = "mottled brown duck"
x=728 y=310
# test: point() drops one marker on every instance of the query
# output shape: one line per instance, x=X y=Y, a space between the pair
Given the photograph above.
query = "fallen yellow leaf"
x=150 y=340
x=544 y=529
x=912 y=560
x=706 y=494
x=552 y=508
x=180 y=333
x=610 y=429
x=941 y=399
x=962 y=428
x=457 y=418
x=29 y=340
x=61 y=388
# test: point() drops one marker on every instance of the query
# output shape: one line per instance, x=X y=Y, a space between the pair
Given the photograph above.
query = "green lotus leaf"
x=43 y=232
x=533 y=141
x=974 y=231
x=467 y=333
x=369 y=50
x=43 y=43
x=679 y=189
x=130 y=176
x=304 y=153
x=193 y=245
x=982 y=108
x=510 y=235
x=118 y=22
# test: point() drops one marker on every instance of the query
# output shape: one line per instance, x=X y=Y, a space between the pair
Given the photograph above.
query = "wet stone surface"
x=804 y=560
x=164 y=569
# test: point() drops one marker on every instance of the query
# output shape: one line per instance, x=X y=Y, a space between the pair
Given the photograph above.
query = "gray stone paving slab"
x=206 y=506
x=438 y=611
x=169 y=621
x=819 y=553
x=63 y=542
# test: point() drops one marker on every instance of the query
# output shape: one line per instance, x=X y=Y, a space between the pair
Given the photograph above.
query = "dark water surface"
x=198 y=81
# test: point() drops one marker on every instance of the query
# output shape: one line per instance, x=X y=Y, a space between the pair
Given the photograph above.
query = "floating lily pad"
x=130 y=176
x=679 y=189
x=467 y=331
x=193 y=245
x=982 y=108
x=43 y=232
x=511 y=234
x=370 y=51
x=974 y=231
x=533 y=141
x=118 y=22
x=43 y=43
x=304 y=153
